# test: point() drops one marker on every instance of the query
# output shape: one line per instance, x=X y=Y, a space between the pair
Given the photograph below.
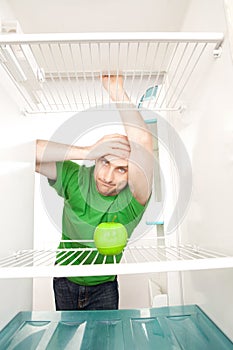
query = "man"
x=117 y=188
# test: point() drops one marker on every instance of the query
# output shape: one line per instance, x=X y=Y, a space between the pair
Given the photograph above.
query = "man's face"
x=111 y=175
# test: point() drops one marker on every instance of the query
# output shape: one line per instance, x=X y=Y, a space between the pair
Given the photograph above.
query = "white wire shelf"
x=146 y=258
x=62 y=72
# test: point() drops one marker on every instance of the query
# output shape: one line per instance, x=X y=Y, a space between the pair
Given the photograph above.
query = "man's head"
x=111 y=175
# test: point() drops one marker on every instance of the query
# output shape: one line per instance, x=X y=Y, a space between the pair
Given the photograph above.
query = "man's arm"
x=48 y=152
x=141 y=162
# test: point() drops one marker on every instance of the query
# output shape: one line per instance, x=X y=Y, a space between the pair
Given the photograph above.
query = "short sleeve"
x=67 y=172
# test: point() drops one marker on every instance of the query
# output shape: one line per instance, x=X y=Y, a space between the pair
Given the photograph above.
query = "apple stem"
x=114 y=218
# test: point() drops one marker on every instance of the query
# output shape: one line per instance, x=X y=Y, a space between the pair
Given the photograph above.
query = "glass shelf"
x=177 y=327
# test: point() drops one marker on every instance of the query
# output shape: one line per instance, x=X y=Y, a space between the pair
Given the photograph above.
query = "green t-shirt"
x=85 y=208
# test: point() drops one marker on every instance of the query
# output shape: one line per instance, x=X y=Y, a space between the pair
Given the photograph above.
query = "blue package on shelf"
x=148 y=95
x=166 y=328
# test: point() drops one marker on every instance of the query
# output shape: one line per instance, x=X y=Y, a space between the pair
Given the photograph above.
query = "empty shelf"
x=177 y=327
x=146 y=258
x=62 y=72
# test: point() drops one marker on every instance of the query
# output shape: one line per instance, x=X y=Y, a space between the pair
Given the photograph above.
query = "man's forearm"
x=134 y=124
x=140 y=167
x=48 y=151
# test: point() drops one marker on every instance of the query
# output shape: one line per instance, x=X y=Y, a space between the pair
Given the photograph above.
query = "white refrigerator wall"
x=207 y=129
x=16 y=188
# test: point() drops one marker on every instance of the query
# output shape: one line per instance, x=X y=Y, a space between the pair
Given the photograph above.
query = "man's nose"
x=108 y=176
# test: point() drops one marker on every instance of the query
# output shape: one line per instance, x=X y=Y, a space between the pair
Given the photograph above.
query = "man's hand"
x=115 y=145
x=113 y=84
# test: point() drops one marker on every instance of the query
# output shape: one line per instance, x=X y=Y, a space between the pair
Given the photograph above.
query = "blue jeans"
x=72 y=296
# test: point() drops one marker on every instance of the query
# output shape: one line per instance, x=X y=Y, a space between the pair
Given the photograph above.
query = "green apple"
x=110 y=238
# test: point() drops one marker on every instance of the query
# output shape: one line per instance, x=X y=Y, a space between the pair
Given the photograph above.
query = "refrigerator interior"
x=192 y=67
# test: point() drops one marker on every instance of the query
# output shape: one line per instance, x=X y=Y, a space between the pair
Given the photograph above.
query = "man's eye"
x=122 y=170
x=104 y=162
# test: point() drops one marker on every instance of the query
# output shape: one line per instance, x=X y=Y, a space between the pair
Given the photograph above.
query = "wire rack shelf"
x=147 y=257
x=62 y=72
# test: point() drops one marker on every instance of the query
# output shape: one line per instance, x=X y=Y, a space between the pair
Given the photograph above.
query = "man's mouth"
x=103 y=183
